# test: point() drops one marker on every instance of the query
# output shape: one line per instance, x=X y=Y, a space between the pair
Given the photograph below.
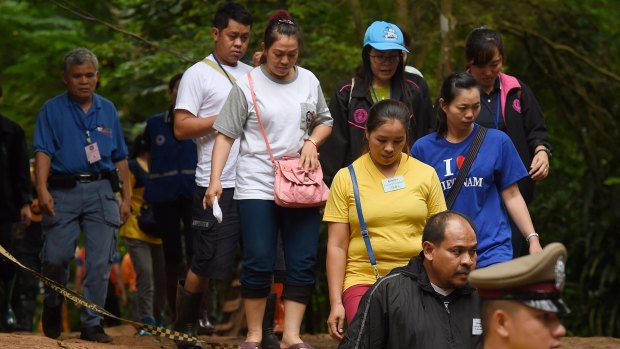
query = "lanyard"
x=224 y=70
x=372 y=89
x=498 y=111
x=80 y=121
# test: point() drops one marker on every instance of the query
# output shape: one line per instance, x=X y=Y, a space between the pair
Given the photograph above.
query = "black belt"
x=79 y=177
x=91 y=177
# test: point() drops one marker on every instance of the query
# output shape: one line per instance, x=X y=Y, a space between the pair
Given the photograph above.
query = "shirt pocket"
x=105 y=142
x=308 y=112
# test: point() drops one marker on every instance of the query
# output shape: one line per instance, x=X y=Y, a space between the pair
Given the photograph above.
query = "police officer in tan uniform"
x=521 y=300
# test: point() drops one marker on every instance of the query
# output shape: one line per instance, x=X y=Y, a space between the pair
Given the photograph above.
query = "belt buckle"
x=84 y=177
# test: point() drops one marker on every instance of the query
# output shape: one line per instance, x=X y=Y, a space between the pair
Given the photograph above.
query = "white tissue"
x=217 y=211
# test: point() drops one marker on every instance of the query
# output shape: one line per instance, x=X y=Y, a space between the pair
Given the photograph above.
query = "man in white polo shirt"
x=202 y=92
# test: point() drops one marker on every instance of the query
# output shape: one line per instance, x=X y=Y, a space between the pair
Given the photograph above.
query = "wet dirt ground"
x=124 y=338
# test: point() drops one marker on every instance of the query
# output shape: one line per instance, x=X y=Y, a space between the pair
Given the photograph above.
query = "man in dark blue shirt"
x=80 y=158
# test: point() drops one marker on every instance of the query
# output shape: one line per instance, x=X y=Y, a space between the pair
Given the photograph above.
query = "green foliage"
x=567 y=51
x=28 y=35
x=571 y=67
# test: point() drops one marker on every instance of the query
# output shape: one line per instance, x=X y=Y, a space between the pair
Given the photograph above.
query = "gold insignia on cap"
x=560 y=273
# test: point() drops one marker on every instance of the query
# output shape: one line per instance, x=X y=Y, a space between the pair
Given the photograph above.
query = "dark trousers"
x=7 y=269
x=175 y=219
x=299 y=227
x=27 y=249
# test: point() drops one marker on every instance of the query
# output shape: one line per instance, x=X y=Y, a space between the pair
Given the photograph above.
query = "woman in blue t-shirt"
x=489 y=192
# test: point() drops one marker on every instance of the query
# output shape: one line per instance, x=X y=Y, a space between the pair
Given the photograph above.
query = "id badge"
x=476 y=328
x=92 y=153
x=393 y=184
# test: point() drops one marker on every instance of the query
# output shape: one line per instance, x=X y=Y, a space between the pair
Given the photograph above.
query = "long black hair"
x=364 y=75
x=449 y=90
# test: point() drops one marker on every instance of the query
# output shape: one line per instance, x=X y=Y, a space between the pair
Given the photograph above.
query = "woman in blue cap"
x=381 y=76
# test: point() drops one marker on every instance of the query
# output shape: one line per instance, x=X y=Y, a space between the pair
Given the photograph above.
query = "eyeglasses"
x=380 y=59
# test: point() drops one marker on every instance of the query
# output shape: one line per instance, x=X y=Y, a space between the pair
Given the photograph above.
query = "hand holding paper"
x=217 y=211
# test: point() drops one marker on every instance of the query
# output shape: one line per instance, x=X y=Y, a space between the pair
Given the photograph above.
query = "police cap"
x=535 y=280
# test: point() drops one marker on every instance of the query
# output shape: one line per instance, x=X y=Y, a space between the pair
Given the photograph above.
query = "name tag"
x=92 y=153
x=392 y=184
x=476 y=328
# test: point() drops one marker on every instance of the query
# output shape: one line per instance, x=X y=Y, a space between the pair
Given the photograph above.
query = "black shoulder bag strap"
x=464 y=171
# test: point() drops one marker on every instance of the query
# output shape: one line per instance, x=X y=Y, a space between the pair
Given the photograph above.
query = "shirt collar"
x=496 y=84
x=441 y=291
x=95 y=106
x=276 y=80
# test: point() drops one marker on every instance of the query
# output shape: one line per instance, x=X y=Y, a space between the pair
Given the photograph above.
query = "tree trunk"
x=402 y=16
x=419 y=43
x=447 y=23
x=358 y=27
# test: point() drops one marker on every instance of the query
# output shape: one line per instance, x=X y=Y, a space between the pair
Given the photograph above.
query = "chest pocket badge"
x=476 y=328
x=308 y=112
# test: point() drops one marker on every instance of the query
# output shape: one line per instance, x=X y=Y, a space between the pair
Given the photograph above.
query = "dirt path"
x=124 y=338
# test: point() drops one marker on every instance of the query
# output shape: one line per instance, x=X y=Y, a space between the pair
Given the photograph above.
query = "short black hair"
x=234 y=11
x=435 y=229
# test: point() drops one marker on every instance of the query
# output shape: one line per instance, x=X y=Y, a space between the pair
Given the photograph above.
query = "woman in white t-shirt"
x=296 y=120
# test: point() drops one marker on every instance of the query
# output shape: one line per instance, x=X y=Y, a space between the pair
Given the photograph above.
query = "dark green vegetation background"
x=568 y=51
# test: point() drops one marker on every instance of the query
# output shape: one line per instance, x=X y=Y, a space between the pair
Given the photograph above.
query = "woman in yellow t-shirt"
x=146 y=251
x=397 y=193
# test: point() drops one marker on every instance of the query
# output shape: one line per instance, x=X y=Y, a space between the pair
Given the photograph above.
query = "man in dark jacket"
x=15 y=198
x=428 y=303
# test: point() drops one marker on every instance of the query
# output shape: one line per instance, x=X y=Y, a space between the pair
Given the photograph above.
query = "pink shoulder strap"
x=260 y=121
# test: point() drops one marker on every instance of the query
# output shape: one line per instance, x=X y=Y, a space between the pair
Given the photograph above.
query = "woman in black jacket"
x=381 y=76
x=507 y=104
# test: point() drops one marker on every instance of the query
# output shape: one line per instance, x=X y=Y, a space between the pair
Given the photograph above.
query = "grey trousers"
x=92 y=208
x=148 y=262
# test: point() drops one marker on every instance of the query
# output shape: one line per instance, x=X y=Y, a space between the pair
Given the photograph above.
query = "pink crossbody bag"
x=293 y=187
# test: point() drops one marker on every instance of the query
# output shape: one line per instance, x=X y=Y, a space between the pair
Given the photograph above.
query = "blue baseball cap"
x=384 y=36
